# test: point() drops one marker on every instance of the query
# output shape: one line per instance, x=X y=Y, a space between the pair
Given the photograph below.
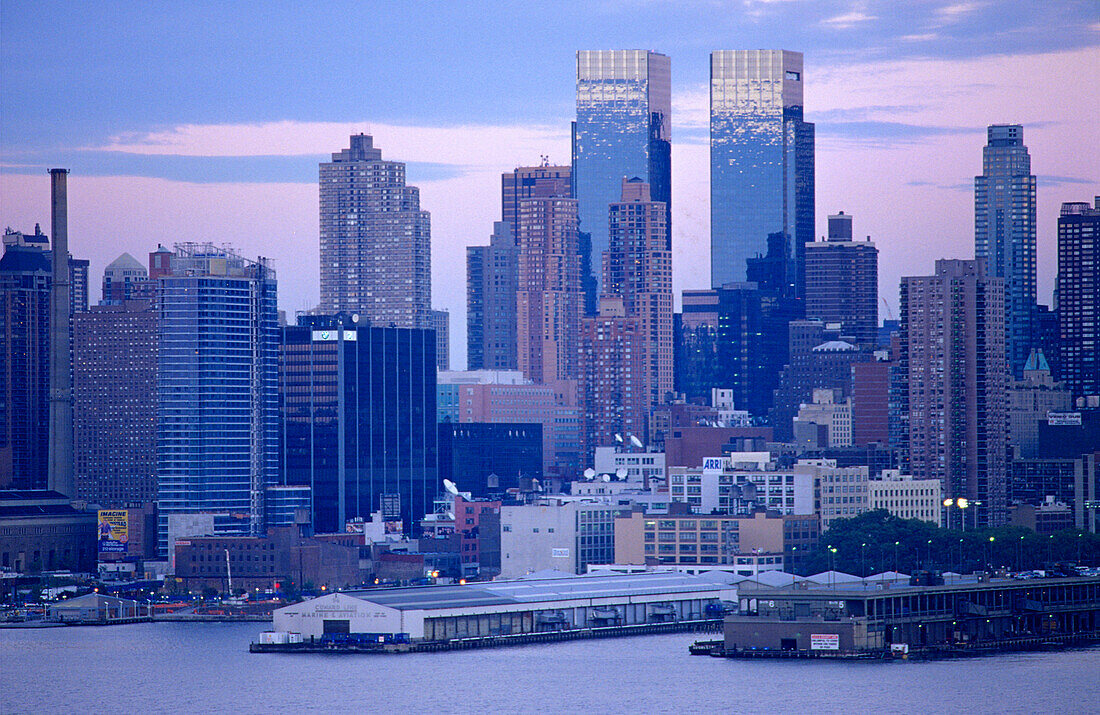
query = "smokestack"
x=60 y=476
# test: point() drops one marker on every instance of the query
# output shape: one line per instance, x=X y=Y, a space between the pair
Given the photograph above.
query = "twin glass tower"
x=762 y=151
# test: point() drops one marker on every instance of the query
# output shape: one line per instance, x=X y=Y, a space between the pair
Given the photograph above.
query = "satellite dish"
x=450 y=487
x=607 y=477
x=618 y=437
x=451 y=515
x=589 y=473
x=621 y=472
x=635 y=441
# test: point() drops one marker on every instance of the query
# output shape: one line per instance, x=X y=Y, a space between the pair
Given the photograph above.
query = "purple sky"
x=206 y=123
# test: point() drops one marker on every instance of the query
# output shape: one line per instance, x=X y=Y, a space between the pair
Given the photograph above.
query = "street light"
x=862 y=561
x=896 y=556
x=989 y=553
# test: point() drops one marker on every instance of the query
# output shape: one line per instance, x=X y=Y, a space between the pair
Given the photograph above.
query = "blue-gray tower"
x=217 y=389
x=1004 y=232
x=623 y=130
x=761 y=163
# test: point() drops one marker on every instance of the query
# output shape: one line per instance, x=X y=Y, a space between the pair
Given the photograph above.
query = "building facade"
x=623 y=129
x=761 y=162
x=115 y=402
x=491 y=273
x=217 y=388
x=1079 y=296
x=1004 y=232
x=486 y=458
x=375 y=240
x=842 y=281
x=25 y=372
x=440 y=322
x=359 y=419
x=906 y=497
x=549 y=296
x=953 y=403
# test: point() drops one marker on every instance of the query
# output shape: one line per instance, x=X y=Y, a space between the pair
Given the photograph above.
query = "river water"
x=203 y=667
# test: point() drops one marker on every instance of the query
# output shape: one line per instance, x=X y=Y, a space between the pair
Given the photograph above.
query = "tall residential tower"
x=1004 y=232
x=375 y=240
x=1079 y=296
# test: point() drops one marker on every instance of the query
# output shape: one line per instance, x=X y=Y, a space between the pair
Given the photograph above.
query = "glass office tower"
x=761 y=162
x=217 y=381
x=1004 y=232
x=623 y=130
x=359 y=419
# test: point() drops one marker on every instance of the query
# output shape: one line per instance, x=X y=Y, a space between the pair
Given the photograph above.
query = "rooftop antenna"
x=545 y=158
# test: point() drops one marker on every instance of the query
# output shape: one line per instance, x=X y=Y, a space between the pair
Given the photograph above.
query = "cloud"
x=460 y=145
x=949 y=14
x=923 y=37
x=848 y=20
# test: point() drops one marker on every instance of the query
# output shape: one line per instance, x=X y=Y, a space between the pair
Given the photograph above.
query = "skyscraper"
x=953 y=400
x=761 y=162
x=440 y=322
x=25 y=369
x=359 y=419
x=623 y=129
x=115 y=403
x=217 y=381
x=491 y=273
x=1004 y=232
x=842 y=281
x=613 y=381
x=375 y=240
x=125 y=279
x=637 y=267
x=549 y=299
x=1079 y=296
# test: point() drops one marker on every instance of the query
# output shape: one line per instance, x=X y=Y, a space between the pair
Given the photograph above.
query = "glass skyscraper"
x=761 y=162
x=217 y=382
x=359 y=419
x=1004 y=232
x=623 y=130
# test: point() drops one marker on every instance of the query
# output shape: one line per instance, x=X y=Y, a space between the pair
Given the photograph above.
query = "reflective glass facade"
x=359 y=418
x=217 y=380
x=761 y=162
x=1004 y=232
x=623 y=130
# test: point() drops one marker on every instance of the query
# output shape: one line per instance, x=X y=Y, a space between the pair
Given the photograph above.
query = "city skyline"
x=164 y=167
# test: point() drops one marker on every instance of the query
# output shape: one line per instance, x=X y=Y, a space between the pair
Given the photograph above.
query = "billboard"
x=1064 y=419
x=114 y=531
x=824 y=641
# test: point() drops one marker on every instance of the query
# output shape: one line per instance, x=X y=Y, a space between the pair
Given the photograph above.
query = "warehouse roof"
x=495 y=593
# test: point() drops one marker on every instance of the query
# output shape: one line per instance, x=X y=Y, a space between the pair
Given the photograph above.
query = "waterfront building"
x=375 y=239
x=1079 y=296
x=115 y=402
x=217 y=388
x=954 y=401
x=440 y=322
x=41 y=530
x=484 y=458
x=842 y=281
x=491 y=273
x=623 y=129
x=761 y=162
x=870 y=615
x=906 y=497
x=558 y=533
x=508 y=607
x=714 y=539
x=549 y=295
x=359 y=419
x=25 y=279
x=1004 y=232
